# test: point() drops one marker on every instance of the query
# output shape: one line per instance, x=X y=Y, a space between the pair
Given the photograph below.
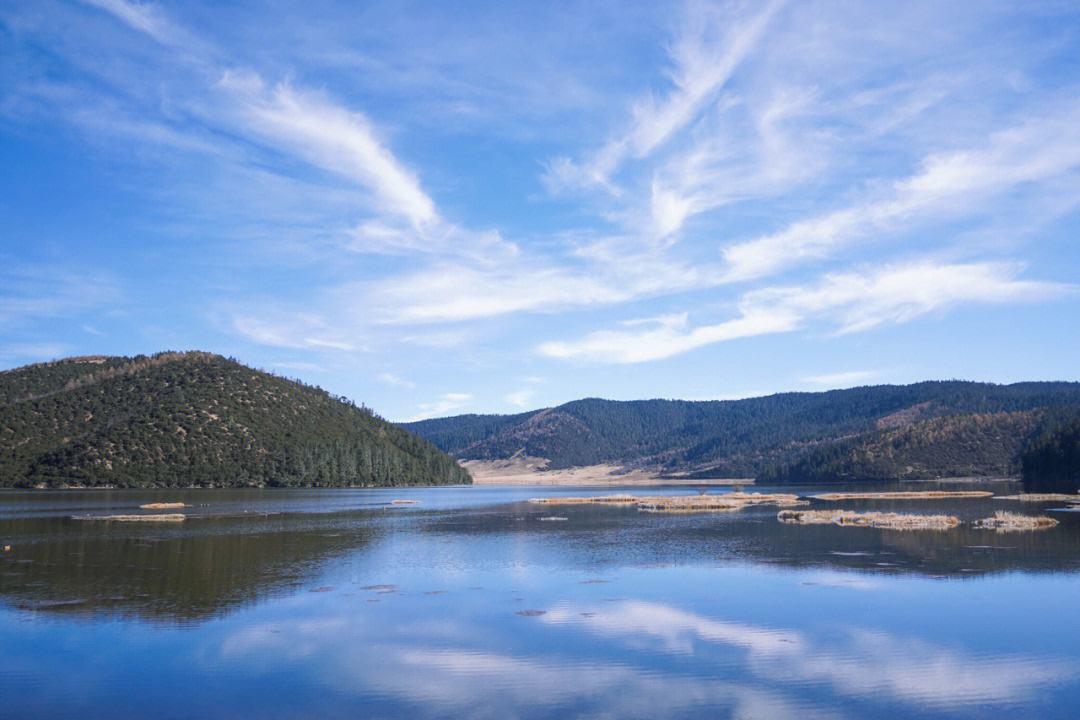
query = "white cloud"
x=299 y=331
x=705 y=54
x=947 y=184
x=396 y=381
x=448 y=403
x=664 y=338
x=144 y=17
x=851 y=302
x=521 y=398
x=332 y=138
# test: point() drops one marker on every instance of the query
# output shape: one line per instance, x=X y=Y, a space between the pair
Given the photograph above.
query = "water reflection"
x=182 y=573
x=854 y=661
x=450 y=609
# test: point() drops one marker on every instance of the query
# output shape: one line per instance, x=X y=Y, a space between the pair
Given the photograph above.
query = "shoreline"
x=530 y=471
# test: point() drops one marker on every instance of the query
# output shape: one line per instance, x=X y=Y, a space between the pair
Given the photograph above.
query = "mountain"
x=1051 y=463
x=196 y=419
x=920 y=431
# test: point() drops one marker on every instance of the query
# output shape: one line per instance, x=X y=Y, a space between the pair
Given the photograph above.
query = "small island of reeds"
x=1004 y=522
x=682 y=503
x=908 y=495
x=882 y=520
x=162 y=517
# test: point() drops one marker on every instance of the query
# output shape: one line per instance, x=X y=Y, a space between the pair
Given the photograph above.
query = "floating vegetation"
x=716 y=503
x=404 y=502
x=682 y=503
x=909 y=495
x=1004 y=522
x=531 y=613
x=383 y=588
x=322 y=589
x=882 y=520
x=165 y=517
x=164 y=506
x=598 y=500
x=1041 y=497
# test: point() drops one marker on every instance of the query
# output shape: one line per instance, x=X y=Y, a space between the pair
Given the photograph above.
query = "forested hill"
x=925 y=430
x=1051 y=463
x=196 y=419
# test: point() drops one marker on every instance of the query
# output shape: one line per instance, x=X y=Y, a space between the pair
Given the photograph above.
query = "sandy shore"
x=530 y=471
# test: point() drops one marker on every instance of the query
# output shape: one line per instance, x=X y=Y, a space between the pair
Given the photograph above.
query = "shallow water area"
x=472 y=603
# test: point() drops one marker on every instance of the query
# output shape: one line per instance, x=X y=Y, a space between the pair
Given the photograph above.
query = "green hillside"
x=196 y=419
x=925 y=430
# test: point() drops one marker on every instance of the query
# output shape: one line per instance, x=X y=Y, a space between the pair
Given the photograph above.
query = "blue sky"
x=438 y=208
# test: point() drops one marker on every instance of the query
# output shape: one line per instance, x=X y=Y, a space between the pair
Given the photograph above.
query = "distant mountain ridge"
x=920 y=431
x=179 y=419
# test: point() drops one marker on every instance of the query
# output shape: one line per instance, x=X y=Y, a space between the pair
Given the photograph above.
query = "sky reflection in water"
x=454 y=609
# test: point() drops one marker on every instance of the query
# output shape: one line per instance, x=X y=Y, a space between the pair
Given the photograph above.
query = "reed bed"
x=1004 y=522
x=910 y=495
x=682 y=503
x=1041 y=497
x=716 y=503
x=598 y=500
x=164 y=506
x=162 y=517
x=404 y=502
x=882 y=520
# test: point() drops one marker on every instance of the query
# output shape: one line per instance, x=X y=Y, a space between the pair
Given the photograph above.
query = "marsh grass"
x=1041 y=497
x=882 y=520
x=716 y=503
x=910 y=495
x=164 y=506
x=598 y=500
x=1003 y=522
x=165 y=517
x=682 y=503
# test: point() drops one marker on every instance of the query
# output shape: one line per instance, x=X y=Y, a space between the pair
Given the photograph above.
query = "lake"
x=468 y=604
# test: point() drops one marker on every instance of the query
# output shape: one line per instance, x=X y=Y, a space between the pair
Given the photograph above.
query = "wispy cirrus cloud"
x=31 y=292
x=848 y=302
x=394 y=380
x=330 y=137
x=704 y=55
x=953 y=183
x=447 y=403
x=142 y=16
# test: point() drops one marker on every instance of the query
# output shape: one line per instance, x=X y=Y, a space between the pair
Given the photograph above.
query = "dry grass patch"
x=1015 y=522
x=681 y=503
x=716 y=503
x=164 y=506
x=883 y=520
x=165 y=517
x=911 y=495
x=598 y=500
x=1041 y=497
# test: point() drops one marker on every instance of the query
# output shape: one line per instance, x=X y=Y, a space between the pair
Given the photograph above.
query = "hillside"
x=925 y=430
x=196 y=419
x=1051 y=463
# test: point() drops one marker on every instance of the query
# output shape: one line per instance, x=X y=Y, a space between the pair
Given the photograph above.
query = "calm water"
x=283 y=604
